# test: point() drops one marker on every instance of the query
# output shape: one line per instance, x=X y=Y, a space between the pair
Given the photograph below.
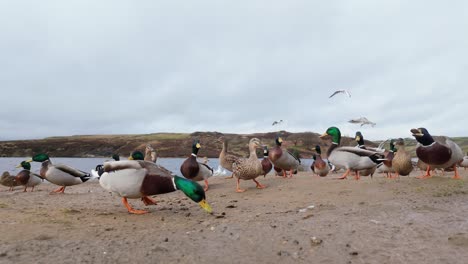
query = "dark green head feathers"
x=136 y=155
x=26 y=165
x=116 y=157
x=193 y=190
x=335 y=134
x=40 y=157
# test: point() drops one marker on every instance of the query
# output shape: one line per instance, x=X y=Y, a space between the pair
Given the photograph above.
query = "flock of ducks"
x=140 y=177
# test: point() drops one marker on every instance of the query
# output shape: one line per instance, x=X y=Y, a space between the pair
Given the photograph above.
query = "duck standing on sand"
x=27 y=178
x=266 y=163
x=59 y=174
x=8 y=180
x=226 y=160
x=283 y=159
x=194 y=170
x=359 y=138
x=249 y=168
x=441 y=154
x=135 y=179
x=350 y=158
x=319 y=166
x=401 y=162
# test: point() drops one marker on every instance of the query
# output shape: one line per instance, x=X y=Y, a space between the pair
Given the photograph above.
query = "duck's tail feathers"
x=86 y=177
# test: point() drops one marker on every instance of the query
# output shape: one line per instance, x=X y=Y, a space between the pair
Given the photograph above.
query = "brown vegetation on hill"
x=166 y=144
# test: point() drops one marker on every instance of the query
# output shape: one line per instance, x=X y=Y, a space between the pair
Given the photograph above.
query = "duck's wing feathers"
x=206 y=165
x=69 y=170
x=231 y=158
x=298 y=159
x=359 y=151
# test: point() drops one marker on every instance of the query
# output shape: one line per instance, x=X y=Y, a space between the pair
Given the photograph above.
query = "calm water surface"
x=87 y=164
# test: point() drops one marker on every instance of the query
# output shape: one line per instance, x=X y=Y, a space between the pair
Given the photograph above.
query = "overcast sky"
x=118 y=67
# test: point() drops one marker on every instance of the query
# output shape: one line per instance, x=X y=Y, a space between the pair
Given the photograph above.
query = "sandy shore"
x=368 y=221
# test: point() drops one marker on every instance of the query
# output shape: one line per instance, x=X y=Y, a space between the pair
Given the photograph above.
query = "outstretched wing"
x=335 y=93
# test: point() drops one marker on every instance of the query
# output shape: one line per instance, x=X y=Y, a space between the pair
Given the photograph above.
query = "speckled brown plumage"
x=402 y=160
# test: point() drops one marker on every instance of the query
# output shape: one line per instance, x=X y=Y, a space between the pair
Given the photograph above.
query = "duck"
x=249 y=168
x=443 y=153
x=26 y=177
x=8 y=180
x=401 y=162
x=133 y=179
x=387 y=166
x=150 y=154
x=266 y=163
x=226 y=160
x=194 y=170
x=283 y=159
x=359 y=138
x=350 y=158
x=59 y=174
x=319 y=166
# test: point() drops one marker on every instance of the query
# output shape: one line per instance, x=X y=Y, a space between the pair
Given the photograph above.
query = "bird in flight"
x=362 y=121
x=277 y=122
x=340 y=91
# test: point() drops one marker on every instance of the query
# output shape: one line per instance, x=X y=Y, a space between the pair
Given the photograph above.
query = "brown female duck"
x=226 y=160
x=8 y=180
x=194 y=170
x=441 y=154
x=401 y=162
x=249 y=168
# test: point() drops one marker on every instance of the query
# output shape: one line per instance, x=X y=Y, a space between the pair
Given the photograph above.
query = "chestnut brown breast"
x=155 y=184
x=266 y=165
x=275 y=153
x=190 y=168
x=436 y=154
x=23 y=177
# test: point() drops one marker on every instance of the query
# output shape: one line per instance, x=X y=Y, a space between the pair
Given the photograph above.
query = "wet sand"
x=368 y=221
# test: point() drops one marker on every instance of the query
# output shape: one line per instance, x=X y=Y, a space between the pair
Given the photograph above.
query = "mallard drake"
x=8 y=180
x=59 y=174
x=266 y=163
x=133 y=179
x=359 y=138
x=319 y=166
x=401 y=162
x=150 y=154
x=249 y=168
x=194 y=170
x=441 y=154
x=26 y=177
x=226 y=160
x=283 y=159
x=350 y=158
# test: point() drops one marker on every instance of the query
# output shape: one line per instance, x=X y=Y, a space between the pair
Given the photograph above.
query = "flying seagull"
x=362 y=121
x=340 y=91
x=277 y=122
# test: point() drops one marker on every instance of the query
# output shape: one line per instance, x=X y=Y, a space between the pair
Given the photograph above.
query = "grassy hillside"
x=166 y=144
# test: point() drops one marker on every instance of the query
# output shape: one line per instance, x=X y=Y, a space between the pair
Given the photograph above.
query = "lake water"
x=87 y=164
